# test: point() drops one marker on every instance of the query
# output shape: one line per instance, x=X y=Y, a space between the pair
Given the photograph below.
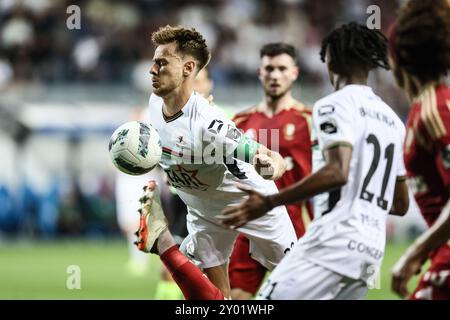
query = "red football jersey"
x=427 y=154
x=427 y=162
x=288 y=132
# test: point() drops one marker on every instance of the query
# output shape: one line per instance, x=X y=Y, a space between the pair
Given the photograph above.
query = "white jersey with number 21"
x=348 y=232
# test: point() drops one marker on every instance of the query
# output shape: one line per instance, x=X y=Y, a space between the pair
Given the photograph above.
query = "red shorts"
x=435 y=282
x=247 y=274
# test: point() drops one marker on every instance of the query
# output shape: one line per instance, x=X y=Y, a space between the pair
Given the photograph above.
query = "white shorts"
x=296 y=278
x=210 y=244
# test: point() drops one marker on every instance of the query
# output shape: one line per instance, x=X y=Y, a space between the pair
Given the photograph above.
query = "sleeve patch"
x=324 y=110
x=215 y=126
x=329 y=127
x=233 y=133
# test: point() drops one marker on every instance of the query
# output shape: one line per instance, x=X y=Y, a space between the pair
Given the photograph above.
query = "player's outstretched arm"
x=269 y=164
x=416 y=255
x=400 y=204
x=332 y=175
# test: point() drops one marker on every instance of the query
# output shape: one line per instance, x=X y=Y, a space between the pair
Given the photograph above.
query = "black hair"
x=277 y=48
x=355 y=47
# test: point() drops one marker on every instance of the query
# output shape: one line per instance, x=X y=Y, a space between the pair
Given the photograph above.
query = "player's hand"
x=406 y=267
x=264 y=165
x=252 y=208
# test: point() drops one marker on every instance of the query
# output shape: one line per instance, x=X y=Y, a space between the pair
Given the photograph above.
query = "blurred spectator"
x=114 y=35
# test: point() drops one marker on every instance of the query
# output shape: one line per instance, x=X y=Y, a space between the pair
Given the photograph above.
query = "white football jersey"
x=198 y=145
x=347 y=234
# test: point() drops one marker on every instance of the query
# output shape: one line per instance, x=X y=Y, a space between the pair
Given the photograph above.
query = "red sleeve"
x=442 y=157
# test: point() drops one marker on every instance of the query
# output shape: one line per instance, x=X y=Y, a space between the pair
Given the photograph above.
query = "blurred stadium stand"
x=63 y=92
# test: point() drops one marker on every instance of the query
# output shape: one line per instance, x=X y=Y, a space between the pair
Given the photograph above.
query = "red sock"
x=192 y=282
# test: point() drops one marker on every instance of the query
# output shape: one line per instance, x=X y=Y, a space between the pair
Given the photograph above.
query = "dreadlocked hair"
x=355 y=47
x=422 y=42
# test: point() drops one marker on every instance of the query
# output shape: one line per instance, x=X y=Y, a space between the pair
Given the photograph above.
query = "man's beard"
x=278 y=95
x=162 y=92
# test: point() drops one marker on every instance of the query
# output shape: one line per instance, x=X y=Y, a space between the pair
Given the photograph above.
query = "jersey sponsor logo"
x=324 y=110
x=289 y=131
x=329 y=127
x=363 y=248
x=370 y=221
x=184 y=178
x=376 y=115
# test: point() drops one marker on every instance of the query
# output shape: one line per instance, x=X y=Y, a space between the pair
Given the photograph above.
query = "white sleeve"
x=334 y=123
x=220 y=136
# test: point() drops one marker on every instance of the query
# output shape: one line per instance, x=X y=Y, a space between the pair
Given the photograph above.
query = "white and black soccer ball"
x=135 y=148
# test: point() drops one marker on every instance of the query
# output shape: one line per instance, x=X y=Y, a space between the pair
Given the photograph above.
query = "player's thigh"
x=208 y=244
x=271 y=237
x=245 y=273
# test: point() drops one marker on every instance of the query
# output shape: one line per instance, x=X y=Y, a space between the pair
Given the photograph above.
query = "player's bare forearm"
x=332 y=175
x=400 y=204
x=323 y=180
x=269 y=164
x=412 y=260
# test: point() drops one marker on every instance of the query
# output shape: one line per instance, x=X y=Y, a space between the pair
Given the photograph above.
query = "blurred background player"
x=359 y=178
x=420 y=58
x=284 y=124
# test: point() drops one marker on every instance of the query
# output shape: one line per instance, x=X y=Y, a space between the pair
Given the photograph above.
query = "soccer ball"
x=135 y=148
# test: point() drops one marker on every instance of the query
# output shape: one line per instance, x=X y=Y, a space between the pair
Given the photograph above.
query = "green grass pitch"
x=39 y=271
